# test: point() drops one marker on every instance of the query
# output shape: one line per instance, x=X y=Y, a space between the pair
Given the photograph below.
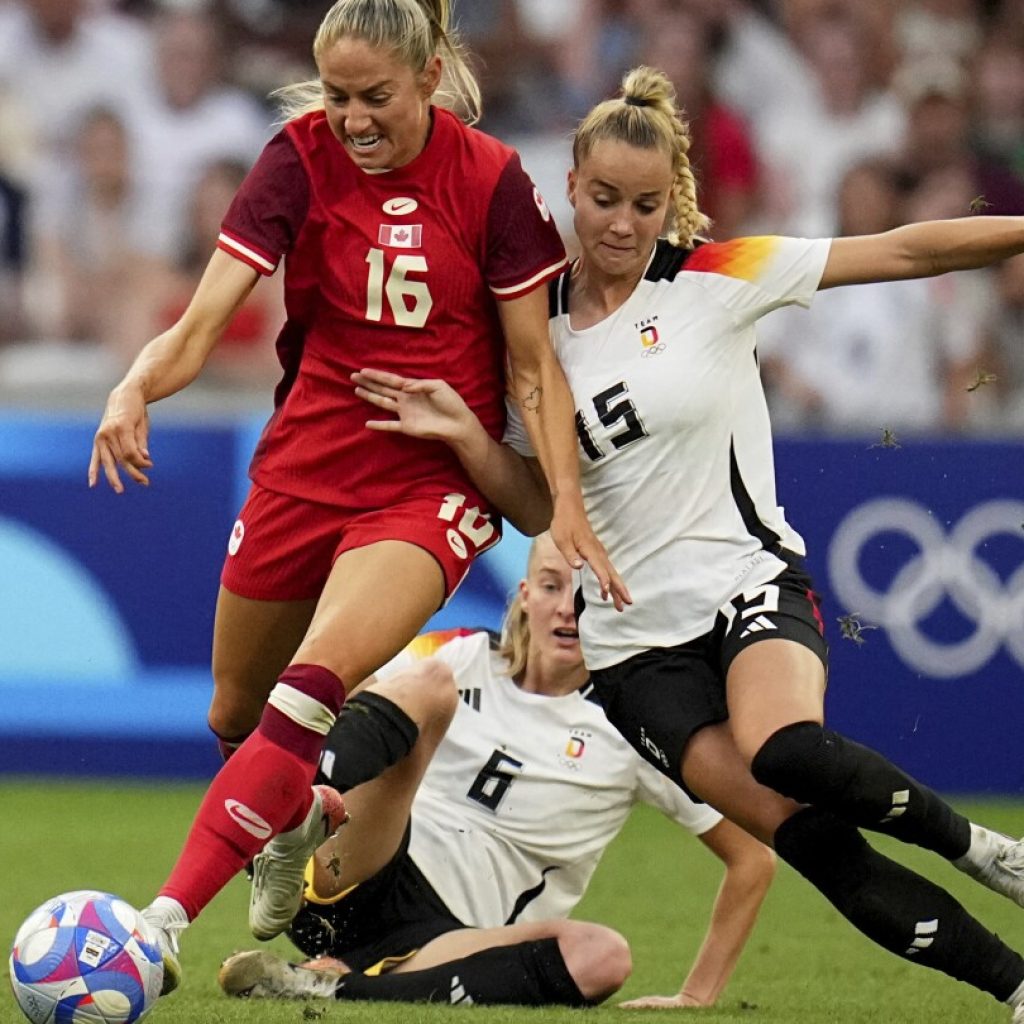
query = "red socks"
x=264 y=789
x=226 y=747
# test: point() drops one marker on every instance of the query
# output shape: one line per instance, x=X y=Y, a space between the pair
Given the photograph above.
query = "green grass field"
x=803 y=964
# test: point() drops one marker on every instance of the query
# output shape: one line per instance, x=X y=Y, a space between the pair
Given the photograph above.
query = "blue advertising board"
x=106 y=606
x=924 y=546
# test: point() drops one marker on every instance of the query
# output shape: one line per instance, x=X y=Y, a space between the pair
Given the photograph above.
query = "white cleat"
x=258 y=975
x=996 y=861
x=278 y=880
x=165 y=934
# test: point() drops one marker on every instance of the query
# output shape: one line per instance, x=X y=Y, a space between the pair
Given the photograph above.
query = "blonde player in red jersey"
x=412 y=240
x=716 y=674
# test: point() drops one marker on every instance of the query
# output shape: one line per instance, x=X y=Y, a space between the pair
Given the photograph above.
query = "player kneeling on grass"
x=454 y=877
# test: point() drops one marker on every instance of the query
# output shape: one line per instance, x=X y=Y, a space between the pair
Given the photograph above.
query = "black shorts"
x=658 y=699
x=388 y=917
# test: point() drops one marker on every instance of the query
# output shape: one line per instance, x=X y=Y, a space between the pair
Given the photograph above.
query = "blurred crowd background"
x=127 y=125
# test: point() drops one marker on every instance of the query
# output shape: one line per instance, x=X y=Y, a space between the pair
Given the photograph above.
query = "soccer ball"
x=85 y=958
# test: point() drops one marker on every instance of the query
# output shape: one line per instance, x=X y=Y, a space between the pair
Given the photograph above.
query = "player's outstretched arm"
x=923 y=250
x=432 y=409
x=749 y=869
x=540 y=388
x=167 y=364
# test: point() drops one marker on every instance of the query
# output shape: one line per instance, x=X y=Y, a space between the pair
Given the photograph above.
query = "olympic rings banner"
x=918 y=552
x=106 y=607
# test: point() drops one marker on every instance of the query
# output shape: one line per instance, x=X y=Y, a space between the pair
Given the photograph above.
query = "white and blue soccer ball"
x=85 y=958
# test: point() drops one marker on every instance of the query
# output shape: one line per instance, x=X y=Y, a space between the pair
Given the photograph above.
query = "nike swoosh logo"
x=247 y=819
x=396 y=207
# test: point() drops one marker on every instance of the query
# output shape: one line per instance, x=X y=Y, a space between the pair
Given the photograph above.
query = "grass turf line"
x=656 y=885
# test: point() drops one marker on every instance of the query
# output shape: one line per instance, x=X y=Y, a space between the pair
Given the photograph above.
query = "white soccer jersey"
x=524 y=794
x=675 y=443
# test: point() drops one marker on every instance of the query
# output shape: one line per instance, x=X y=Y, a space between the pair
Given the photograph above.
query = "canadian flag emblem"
x=236 y=538
x=400 y=236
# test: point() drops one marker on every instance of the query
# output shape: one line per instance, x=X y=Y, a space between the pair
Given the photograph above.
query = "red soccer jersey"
x=400 y=271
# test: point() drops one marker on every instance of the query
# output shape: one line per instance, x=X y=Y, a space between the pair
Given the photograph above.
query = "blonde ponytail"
x=459 y=89
x=514 y=646
x=414 y=30
x=647 y=116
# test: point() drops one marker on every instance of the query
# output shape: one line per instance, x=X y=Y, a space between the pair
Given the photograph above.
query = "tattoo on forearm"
x=531 y=402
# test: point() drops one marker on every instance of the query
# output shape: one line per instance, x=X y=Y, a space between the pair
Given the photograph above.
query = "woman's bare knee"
x=234 y=712
x=426 y=693
x=598 y=958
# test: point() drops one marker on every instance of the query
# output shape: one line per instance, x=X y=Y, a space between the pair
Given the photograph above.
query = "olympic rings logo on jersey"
x=947 y=567
x=653 y=350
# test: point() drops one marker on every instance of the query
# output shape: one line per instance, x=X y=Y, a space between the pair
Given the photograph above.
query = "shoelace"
x=173 y=930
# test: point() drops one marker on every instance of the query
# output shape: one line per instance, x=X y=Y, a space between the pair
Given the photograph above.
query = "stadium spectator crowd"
x=124 y=125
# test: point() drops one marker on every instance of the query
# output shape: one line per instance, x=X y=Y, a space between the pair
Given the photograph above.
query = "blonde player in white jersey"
x=716 y=673
x=496 y=823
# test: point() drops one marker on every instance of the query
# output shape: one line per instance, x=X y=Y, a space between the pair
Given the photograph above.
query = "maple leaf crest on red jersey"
x=400 y=236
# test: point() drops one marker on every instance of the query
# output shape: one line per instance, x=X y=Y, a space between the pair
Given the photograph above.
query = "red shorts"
x=282 y=548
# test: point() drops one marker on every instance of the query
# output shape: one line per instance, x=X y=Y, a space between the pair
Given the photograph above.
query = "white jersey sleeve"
x=753 y=276
x=399 y=663
x=655 y=789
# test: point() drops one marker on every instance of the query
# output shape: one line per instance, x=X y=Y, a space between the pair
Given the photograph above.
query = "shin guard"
x=371 y=734
x=264 y=789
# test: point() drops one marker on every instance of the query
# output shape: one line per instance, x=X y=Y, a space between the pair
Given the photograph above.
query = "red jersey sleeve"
x=524 y=248
x=269 y=209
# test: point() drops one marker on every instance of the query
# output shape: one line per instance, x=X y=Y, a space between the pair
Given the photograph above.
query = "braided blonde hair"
x=414 y=30
x=646 y=116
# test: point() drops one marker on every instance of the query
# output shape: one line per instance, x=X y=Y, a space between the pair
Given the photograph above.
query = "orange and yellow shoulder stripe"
x=742 y=257
x=427 y=644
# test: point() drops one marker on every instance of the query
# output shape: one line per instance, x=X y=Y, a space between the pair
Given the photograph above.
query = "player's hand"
x=122 y=440
x=572 y=533
x=430 y=409
x=675 y=1002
